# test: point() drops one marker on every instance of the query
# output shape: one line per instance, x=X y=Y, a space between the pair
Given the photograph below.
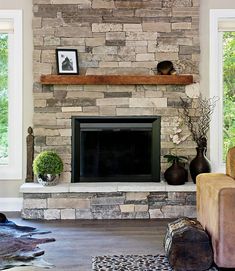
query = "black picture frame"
x=67 y=61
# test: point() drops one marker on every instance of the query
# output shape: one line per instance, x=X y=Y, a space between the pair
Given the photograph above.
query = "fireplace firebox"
x=120 y=149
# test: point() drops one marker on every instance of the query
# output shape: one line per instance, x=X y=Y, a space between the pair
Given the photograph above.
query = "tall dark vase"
x=176 y=174
x=200 y=164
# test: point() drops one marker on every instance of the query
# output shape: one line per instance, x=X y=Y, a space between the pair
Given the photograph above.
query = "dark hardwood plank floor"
x=77 y=241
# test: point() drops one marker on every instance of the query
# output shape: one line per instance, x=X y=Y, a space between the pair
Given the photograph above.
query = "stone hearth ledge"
x=107 y=187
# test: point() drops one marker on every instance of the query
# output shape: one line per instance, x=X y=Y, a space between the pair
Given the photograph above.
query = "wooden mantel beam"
x=116 y=79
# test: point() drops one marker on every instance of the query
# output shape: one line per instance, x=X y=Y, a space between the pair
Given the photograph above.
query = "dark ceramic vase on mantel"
x=176 y=174
x=200 y=164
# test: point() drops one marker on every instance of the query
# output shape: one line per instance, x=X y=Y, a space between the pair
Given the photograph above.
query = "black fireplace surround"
x=116 y=149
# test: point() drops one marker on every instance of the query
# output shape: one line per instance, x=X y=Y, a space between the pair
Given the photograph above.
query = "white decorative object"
x=193 y=90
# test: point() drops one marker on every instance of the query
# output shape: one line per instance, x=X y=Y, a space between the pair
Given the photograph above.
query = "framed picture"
x=67 y=61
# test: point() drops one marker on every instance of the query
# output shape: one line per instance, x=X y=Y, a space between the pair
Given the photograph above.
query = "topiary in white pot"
x=47 y=166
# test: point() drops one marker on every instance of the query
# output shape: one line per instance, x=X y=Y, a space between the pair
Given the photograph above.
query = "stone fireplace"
x=112 y=37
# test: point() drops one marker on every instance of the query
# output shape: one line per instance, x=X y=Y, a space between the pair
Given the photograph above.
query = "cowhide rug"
x=18 y=247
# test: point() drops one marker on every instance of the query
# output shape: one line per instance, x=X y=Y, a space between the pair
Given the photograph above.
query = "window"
x=222 y=84
x=10 y=94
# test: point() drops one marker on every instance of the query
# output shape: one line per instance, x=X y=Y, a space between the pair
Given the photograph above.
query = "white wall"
x=206 y=5
x=10 y=188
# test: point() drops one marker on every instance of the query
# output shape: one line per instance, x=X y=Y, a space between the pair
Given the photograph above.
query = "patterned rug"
x=132 y=263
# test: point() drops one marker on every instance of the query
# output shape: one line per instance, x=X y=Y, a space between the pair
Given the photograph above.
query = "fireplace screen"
x=115 y=149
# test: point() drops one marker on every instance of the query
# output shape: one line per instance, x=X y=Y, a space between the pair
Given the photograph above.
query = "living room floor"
x=77 y=241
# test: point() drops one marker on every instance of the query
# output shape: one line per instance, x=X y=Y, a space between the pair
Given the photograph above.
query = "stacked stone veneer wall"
x=119 y=205
x=112 y=37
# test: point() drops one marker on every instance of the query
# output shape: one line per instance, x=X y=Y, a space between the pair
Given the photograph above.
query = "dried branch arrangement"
x=198 y=118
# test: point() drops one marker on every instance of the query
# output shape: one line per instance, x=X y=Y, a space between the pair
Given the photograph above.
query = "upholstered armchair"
x=216 y=211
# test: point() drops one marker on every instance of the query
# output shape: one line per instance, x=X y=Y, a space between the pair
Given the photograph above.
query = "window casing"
x=11 y=24
x=221 y=20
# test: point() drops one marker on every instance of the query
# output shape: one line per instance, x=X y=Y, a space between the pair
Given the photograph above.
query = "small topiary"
x=47 y=162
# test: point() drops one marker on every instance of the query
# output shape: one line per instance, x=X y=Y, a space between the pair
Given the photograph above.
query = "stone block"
x=72 y=41
x=84 y=214
x=41 y=2
x=36 y=55
x=112 y=101
x=138 y=94
x=141 y=36
x=44 y=119
x=142 y=215
x=152 y=46
x=68 y=203
x=99 y=88
x=171 y=211
x=106 y=27
x=40 y=103
x=127 y=208
x=37 y=41
x=72 y=32
x=169 y=56
x=107 y=201
x=185 y=11
x=43 y=95
x=169 y=48
x=153 y=13
x=69 y=2
x=115 y=43
x=109 y=4
x=105 y=50
x=141 y=208
x=45 y=132
x=153 y=94
x=156 y=213
x=41 y=68
x=48 y=56
x=71 y=109
x=115 y=36
x=109 y=110
x=51 y=23
x=135 y=111
x=176 y=198
x=34 y=204
x=106 y=64
x=58 y=140
x=182 y=25
x=106 y=212
x=128 y=215
x=156 y=27
x=52 y=214
x=148 y=102
x=117 y=94
x=93 y=42
x=132 y=27
x=68 y=214
x=32 y=214
x=145 y=57
x=51 y=41
x=124 y=64
x=37 y=22
x=136 y=196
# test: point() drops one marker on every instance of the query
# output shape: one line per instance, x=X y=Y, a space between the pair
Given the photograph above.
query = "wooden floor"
x=77 y=241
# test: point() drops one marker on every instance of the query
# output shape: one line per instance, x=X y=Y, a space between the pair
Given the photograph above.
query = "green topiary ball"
x=47 y=162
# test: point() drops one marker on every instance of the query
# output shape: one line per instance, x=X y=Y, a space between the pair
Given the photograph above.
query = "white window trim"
x=13 y=170
x=216 y=86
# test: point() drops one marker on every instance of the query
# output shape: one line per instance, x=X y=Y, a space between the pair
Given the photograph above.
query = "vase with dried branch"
x=197 y=119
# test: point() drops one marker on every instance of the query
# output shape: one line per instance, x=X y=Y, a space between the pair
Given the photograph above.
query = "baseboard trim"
x=11 y=204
